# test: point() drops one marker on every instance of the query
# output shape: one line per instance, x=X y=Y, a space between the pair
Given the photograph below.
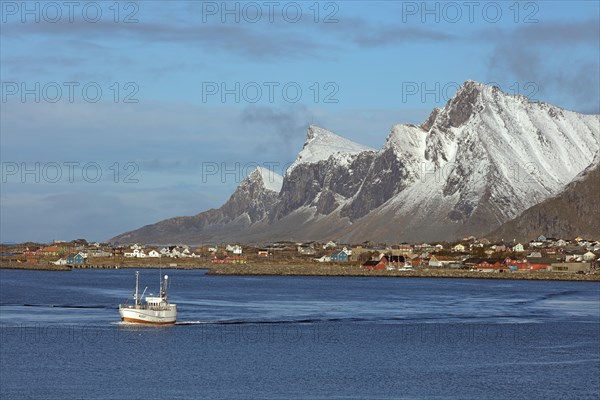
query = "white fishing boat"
x=151 y=309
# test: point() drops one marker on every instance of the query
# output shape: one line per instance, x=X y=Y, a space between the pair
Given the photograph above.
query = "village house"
x=518 y=248
x=397 y=261
x=235 y=249
x=376 y=265
x=404 y=249
x=434 y=262
x=423 y=247
x=136 y=253
x=229 y=260
x=49 y=251
x=539 y=263
x=329 y=245
x=99 y=253
x=516 y=265
x=154 y=254
x=75 y=259
x=306 y=250
x=459 y=248
x=341 y=256
x=491 y=265
x=440 y=261
x=534 y=244
x=499 y=248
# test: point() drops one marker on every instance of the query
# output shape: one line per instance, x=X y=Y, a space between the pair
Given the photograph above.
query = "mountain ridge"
x=474 y=164
x=573 y=212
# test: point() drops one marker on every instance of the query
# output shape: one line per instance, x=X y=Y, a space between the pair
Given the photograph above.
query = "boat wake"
x=274 y=322
x=59 y=306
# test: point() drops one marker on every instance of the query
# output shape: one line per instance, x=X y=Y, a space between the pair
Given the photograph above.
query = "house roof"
x=371 y=263
x=396 y=259
x=474 y=260
x=540 y=260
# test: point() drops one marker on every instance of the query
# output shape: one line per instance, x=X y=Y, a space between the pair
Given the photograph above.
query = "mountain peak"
x=461 y=107
x=321 y=144
x=269 y=179
x=481 y=160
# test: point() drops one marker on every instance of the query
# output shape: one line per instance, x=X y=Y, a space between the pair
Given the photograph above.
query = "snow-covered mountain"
x=476 y=163
x=251 y=202
x=573 y=212
x=322 y=144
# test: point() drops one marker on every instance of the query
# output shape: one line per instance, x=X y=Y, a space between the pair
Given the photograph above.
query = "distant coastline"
x=317 y=269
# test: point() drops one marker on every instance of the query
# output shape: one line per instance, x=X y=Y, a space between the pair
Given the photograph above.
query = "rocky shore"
x=353 y=270
x=309 y=269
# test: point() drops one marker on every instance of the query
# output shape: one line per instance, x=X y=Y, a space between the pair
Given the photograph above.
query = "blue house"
x=341 y=256
x=75 y=259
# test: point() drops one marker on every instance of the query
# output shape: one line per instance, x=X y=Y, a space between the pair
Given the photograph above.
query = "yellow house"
x=459 y=248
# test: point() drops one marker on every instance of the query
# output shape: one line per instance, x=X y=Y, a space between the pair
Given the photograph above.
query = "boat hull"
x=145 y=316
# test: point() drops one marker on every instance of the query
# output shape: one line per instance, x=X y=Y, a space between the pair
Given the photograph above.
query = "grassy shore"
x=282 y=268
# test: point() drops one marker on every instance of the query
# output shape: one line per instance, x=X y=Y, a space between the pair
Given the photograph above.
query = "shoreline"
x=355 y=271
x=312 y=269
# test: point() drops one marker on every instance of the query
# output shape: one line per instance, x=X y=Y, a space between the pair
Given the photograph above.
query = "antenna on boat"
x=164 y=287
x=135 y=296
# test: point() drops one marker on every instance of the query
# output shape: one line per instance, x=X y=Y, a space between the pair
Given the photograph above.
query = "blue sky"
x=117 y=116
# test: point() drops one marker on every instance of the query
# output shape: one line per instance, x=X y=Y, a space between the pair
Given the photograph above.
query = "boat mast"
x=163 y=287
x=135 y=296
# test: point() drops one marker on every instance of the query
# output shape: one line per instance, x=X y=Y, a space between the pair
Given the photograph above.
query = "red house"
x=374 y=265
x=491 y=266
x=519 y=264
x=537 y=263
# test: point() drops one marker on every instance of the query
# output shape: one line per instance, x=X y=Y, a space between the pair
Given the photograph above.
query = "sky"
x=114 y=115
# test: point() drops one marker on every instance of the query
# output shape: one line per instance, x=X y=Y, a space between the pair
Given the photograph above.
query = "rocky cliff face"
x=476 y=163
x=574 y=212
x=251 y=203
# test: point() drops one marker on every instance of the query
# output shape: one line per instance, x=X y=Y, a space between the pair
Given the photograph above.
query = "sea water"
x=241 y=337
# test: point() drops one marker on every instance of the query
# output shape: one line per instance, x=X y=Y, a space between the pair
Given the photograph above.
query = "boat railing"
x=160 y=307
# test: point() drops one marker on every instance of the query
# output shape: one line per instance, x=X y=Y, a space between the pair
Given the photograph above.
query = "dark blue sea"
x=299 y=338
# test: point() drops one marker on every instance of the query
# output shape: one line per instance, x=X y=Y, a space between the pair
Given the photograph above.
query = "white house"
x=323 y=259
x=574 y=258
x=136 y=253
x=459 y=248
x=153 y=253
x=330 y=245
x=518 y=248
x=99 y=253
x=589 y=256
x=60 y=261
x=236 y=249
